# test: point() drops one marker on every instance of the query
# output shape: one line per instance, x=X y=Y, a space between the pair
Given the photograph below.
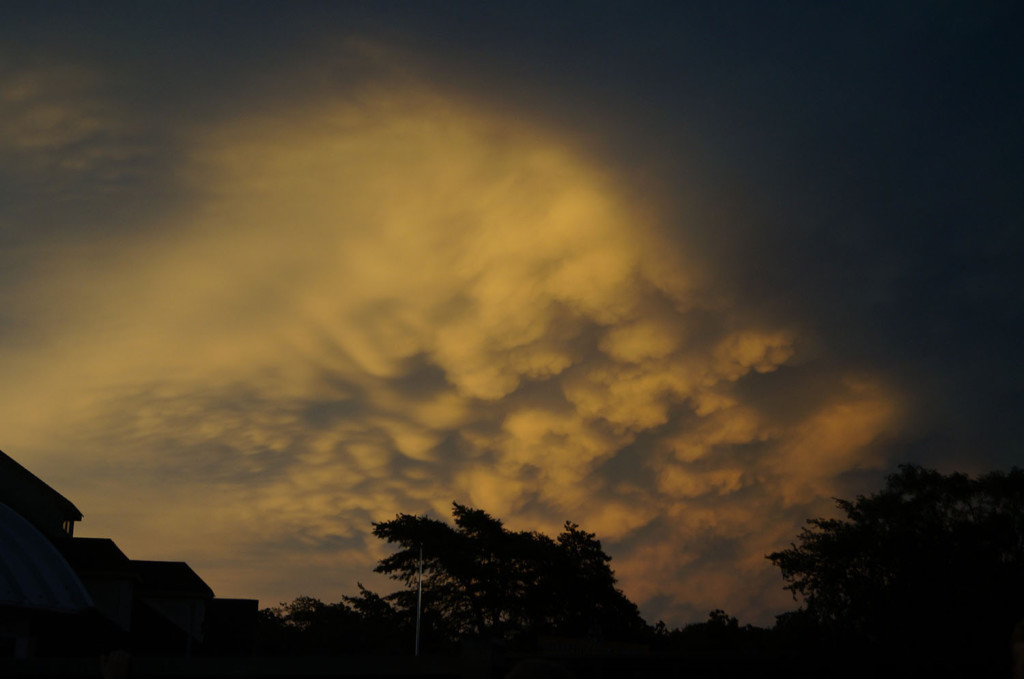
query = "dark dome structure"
x=33 y=574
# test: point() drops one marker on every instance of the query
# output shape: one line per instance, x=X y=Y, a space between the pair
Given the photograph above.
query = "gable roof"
x=30 y=496
x=97 y=556
x=171 y=579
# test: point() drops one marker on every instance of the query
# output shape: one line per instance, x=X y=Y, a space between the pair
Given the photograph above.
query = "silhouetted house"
x=108 y=575
x=175 y=592
x=162 y=606
x=46 y=509
x=87 y=592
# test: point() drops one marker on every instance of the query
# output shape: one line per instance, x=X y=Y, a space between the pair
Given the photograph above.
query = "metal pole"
x=419 y=601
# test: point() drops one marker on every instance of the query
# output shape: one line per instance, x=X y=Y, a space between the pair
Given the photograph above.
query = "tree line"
x=927 y=572
x=477 y=579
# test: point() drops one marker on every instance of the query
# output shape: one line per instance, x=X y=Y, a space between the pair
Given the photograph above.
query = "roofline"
x=66 y=503
x=203 y=590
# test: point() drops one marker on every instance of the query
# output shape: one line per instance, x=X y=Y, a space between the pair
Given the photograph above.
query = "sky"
x=270 y=272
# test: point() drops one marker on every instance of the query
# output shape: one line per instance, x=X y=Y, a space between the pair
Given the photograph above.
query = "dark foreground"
x=483 y=665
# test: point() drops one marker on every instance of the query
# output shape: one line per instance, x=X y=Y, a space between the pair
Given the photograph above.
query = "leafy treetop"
x=931 y=560
x=481 y=579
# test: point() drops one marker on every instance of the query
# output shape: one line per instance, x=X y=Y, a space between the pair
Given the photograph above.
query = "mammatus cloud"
x=380 y=303
x=59 y=134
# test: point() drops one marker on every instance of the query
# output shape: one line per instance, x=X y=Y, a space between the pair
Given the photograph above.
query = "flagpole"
x=419 y=601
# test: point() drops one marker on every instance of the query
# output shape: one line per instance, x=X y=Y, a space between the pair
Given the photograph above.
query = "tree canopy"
x=931 y=561
x=481 y=579
x=931 y=567
x=365 y=623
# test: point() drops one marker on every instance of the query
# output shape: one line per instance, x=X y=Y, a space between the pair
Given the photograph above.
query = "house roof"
x=30 y=496
x=97 y=556
x=170 y=578
x=33 y=574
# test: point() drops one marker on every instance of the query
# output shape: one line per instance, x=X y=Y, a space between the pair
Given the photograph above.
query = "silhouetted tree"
x=932 y=563
x=481 y=579
x=381 y=626
x=309 y=626
x=719 y=633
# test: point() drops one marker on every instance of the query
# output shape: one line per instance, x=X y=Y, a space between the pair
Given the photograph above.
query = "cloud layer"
x=382 y=302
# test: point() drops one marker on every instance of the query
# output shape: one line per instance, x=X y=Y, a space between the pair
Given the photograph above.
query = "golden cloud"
x=380 y=303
